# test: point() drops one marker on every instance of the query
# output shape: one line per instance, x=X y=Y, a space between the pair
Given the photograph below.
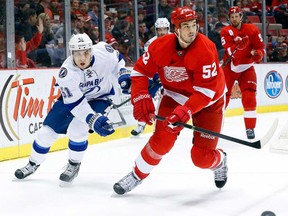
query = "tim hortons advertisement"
x=26 y=98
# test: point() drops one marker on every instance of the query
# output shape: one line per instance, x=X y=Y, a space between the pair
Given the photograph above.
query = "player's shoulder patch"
x=63 y=72
x=109 y=48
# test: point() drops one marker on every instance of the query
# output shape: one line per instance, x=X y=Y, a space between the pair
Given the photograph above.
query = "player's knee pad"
x=46 y=136
x=162 y=142
x=204 y=157
x=77 y=131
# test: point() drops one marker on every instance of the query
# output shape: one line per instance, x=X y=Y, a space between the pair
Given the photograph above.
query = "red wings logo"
x=175 y=74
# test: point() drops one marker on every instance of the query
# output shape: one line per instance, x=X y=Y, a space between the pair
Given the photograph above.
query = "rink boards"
x=28 y=95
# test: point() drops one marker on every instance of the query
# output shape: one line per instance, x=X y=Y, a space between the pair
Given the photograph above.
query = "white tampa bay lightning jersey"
x=95 y=82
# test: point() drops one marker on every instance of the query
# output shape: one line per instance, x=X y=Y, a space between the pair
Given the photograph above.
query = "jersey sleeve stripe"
x=71 y=106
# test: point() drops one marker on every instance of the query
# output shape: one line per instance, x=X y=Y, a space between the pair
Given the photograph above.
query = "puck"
x=268 y=213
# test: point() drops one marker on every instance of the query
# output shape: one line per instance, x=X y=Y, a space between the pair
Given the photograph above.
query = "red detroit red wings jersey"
x=192 y=73
x=228 y=35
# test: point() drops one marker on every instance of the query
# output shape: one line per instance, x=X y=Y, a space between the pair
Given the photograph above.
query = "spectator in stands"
x=2 y=59
x=222 y=18
x=2 y=48
x=93 y=13
x=279 y=54
x=172 y=3
x=56 y=9
x=46 y=6
x=20 y=53
x=246 y=8
x=120 y=29
x=212 y=5
x=83 y=9
x=35 y=4
x=280 y=9
x=199 y=5
x=200 y=20
x=221 y=8
x=20 y=9
x=214 y=35
x=124 y=49
x=42 y=56
x=189 y=3
x=164 y=10
x=256 y=7
x=74 y=7
x=113 y=42
x=211 y=20
x=80 y=24
x=91 y=31
x=223 y=3
x=27 y=26
x=107 y=24
x=22 y=47
x=143 y=36
x=56 y=49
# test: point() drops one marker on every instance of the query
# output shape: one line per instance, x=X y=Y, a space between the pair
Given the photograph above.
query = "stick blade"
x=269 y=134
x=280 y=144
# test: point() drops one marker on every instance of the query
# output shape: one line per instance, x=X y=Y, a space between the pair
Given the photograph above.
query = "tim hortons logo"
x=175 y=74
x=26 y=107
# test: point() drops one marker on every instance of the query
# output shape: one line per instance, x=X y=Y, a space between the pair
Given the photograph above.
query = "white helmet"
x=162 y=23
x=80 y=42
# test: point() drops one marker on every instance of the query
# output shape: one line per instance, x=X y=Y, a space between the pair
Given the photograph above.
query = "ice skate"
x=70 y=173
x=137 y=131
x=127 y=183
x=220 y=173
x=30 y=168
x=250 y=133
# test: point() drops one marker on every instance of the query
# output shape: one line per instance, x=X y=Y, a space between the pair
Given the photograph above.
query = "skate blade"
x=65 y=184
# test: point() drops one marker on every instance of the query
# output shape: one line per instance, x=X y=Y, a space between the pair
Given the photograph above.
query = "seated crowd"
x=39 y=28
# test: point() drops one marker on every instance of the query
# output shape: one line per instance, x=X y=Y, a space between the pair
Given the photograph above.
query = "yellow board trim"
x=23 y=150
x=260 y=109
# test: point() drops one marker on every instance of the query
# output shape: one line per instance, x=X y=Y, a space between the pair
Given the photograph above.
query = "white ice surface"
x=257 y=180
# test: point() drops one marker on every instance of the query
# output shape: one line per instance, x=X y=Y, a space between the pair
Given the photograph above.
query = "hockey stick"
x=280 y=143
x=229 y=58
x=115 y=106
x=257 y=144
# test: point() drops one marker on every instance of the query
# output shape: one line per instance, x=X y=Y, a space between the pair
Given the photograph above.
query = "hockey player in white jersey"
x=85 y=82
x=162 y=27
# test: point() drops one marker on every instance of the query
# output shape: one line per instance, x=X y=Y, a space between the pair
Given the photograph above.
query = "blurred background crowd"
x=39 y=30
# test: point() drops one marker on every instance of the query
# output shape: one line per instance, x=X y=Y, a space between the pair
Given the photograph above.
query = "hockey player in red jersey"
x=246 y=39
x=194 y=86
